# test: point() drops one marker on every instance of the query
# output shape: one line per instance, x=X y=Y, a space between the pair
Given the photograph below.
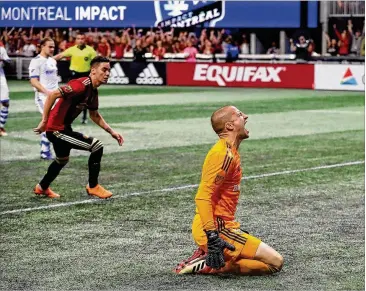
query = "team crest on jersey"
x=188 y=13
x=67 y=89
x=219 y=179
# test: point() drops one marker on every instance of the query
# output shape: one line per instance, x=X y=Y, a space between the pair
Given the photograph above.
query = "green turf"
x=315 y=219
x=192 y=110
x=112 y=90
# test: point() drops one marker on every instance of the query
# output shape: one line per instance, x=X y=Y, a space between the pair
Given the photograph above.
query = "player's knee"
x=97 y=147
x=277 y=263
x=62 y=161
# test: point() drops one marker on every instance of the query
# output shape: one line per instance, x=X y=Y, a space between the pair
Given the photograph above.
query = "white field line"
x=178 y=188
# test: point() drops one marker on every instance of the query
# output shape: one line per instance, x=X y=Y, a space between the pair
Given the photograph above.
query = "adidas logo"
x=149 y=76
x=117 y=75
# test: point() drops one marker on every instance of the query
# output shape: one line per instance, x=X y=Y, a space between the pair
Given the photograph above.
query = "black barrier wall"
x=125 y=73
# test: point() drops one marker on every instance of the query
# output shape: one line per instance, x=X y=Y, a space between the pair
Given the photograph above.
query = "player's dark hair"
x=97 y=60
x=43 y=41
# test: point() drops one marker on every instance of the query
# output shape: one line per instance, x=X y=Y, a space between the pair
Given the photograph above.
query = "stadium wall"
x=253 y=75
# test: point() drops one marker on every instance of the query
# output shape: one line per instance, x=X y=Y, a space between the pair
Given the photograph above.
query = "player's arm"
x=71 y=89
x=99 y=120
x=34 y=73
x=64 y=54
x=50 y=100
x=36 y=84
x=213 y=175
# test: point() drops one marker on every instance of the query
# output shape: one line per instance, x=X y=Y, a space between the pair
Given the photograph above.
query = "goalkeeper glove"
x=216 y=246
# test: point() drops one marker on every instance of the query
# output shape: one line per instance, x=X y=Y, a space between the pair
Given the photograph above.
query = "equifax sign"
x=226 y=74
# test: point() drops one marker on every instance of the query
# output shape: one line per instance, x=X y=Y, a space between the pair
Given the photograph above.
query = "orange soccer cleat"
x=48 y=192
x=98 y=191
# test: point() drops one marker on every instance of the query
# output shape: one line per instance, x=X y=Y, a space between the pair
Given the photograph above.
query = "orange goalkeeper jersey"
x=219 y=190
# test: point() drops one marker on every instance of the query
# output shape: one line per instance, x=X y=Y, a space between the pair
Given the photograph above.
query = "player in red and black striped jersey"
x=56 y=122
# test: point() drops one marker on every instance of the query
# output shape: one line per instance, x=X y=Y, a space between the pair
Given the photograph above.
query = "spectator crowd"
x=348 y=41
x=116 y=43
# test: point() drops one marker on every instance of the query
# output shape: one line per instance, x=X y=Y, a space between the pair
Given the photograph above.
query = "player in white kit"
x=44 y=79
x=4 y=92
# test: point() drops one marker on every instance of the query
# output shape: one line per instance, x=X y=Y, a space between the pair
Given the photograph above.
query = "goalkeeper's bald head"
x=230 y=121
x=221 y=116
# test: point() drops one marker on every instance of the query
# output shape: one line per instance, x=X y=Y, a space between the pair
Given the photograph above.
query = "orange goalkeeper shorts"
x=245 y=244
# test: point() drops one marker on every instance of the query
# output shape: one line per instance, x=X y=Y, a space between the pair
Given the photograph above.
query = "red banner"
x=254 y=75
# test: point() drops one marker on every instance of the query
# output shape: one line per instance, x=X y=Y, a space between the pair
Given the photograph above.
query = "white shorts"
x=4 y=90
x=40 y=99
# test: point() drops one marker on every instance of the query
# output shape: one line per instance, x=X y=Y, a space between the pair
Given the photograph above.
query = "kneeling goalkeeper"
x=222 y=246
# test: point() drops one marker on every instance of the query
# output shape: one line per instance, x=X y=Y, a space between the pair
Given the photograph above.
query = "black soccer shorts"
x=65 y=140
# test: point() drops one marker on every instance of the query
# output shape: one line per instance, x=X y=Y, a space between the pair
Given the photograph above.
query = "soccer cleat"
x=193 y=265
x=3 y=132
x=98 y=191
x=48 y=192
x=84 y=121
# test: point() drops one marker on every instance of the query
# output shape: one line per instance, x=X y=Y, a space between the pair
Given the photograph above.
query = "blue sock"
x=3 y=116
x=45 y=144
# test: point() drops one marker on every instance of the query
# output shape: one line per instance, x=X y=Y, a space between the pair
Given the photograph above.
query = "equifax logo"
x=226 y=74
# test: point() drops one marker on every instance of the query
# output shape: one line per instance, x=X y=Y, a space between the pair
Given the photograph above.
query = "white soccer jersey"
x=45 y=69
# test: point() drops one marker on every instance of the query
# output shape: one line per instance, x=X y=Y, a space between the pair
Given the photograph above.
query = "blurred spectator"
x=302 y=48
x=231 y=50
x=343 y=41
x=29 y=49
x=70 y=42
x=139 y=52
x=104 y=49
x=177 y=48
x=332 y=46
x=207 y=48
x=244 y=47
x=273 y=49
x=119 y=48
x=190 y=52
x=168 y=43
x=311 y=48
x=356 y=39
x=159 y=51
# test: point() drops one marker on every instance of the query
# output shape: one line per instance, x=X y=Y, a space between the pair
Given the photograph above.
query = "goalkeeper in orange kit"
x=222 y=246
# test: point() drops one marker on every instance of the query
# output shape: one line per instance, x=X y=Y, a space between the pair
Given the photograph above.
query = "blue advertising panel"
x=312 y=14
x=257 y=14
